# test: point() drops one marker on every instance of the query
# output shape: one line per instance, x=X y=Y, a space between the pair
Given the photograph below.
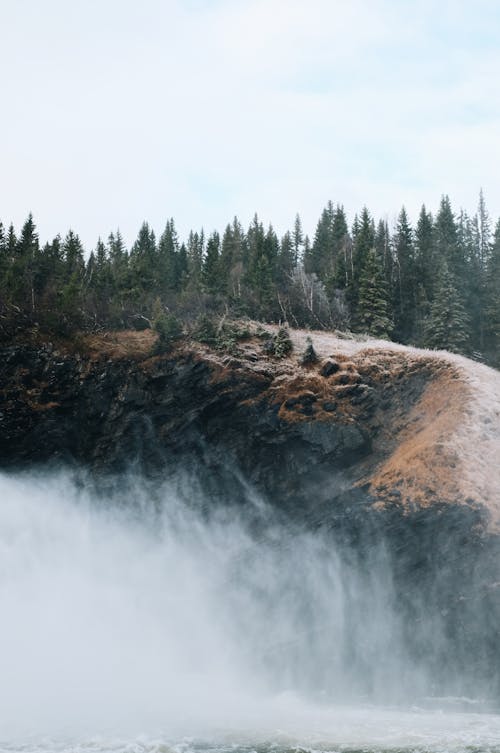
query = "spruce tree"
x=24 y=266
x=211 y=265
x=320 y=259
x=144 y=266
x=426 y=271
x=170 y=273
x=363 y=243
x=297 y=240
x=404 y=281
x=373 y=311
x=447 y=327
x=492 y=300
x=195 y=249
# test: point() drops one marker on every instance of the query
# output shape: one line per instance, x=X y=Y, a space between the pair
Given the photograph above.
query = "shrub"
x=309 y=356
x=205 y=330
x=169 y=329
x=280 y=345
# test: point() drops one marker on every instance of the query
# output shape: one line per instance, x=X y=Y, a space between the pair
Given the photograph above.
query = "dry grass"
x=424 y=465
x=120 y=344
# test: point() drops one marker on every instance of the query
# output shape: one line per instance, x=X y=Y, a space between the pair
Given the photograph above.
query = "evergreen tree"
x=144 y=266
x=447 y=327
x=383 y=247
x=373 y=313
x=73 y=279
x=297 y=240
x=24 y=266
x=342 y=253
x=211 y=265
x=484 y=230
x=287 y=260
x=492 y=300
x=118 y=258
x=172 y=269
x=320 y=260
x=363 y=243
x=448 y=247
x=426 y=271
x=195 y=248
x=233 y=259
x=4 y=260
x=405 y=280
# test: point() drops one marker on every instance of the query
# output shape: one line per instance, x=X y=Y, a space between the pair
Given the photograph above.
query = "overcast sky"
x=116 y=111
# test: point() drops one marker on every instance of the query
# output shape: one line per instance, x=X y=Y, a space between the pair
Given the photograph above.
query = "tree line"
x=435 y=284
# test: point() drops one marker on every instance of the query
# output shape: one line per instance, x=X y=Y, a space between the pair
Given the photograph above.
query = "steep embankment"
x=404 y=428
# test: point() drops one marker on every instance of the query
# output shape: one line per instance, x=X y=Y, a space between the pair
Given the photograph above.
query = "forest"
x=435 y=284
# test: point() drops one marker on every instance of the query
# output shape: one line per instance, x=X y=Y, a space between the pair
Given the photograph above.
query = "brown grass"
x=120 y=344
x=424 y=465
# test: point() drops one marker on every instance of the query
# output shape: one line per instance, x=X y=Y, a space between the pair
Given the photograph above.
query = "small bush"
x=280 y=345
x=309 y=356
x=169 y=329
x=205 y=330
x=262 y=333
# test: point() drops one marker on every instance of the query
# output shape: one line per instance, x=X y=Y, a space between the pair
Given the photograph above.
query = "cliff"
x=410 y=428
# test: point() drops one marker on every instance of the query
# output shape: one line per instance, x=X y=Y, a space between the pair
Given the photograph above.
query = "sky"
x=119 y=111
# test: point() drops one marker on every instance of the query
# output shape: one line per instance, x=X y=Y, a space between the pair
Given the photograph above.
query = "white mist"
x=137 y=613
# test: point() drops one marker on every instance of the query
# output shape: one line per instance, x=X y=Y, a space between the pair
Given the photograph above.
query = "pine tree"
x=405 y=280
x=426 y=271
x=73 y=279
x=195 y=248
x=484 y=230
x=446 y=238
x=447 y=327
x=297 y=240
x=342 y=253
x=320 y=260
x=172 y=269
x=211 y=265
x=233 y=260
x=287 y=260
x=373 y=312
x=24 y=266
x=118 y=258
x=363 y=243
x=492 y=300
x=144 y=266
x=4 y=262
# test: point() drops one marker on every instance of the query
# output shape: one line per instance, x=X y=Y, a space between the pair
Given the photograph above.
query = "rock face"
x=374 y=441
x=282 y=426
x=405 y=426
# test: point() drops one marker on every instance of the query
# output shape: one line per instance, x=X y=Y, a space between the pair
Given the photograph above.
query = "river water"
x=144 y=619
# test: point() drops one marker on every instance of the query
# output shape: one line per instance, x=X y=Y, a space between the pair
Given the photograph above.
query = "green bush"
x=205 y=330
x=280 y=345
x=309 y=356
x=169 y=329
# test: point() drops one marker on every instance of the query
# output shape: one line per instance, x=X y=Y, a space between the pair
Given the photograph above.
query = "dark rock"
x=329 y=368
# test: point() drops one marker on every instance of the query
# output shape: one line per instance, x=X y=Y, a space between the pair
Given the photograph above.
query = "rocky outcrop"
x=284 y=427
x=391 y=421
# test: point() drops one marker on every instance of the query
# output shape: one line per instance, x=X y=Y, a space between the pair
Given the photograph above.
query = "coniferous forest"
x=433 y=284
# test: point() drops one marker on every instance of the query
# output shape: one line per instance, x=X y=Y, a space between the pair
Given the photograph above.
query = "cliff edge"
x=406 y=428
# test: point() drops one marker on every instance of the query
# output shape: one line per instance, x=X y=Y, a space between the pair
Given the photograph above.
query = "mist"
x=147 y=606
